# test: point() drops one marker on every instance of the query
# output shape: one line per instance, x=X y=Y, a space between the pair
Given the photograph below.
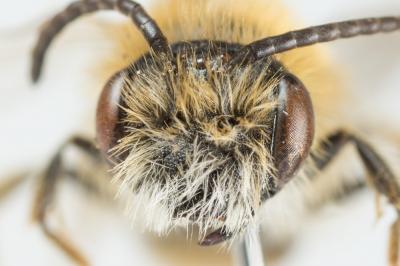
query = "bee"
x=213 y=110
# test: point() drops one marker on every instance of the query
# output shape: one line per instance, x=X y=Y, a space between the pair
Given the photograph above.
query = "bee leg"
x=379 y=176
x=47 y=191
x=394 y=243
x=6 y=187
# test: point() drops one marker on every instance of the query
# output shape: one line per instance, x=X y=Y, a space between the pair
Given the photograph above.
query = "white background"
x=34 y=120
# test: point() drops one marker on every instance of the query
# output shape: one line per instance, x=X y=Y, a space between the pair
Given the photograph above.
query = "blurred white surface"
x=35 y=120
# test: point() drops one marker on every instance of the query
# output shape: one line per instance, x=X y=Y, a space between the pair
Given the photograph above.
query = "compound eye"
x=294 y=128
x=109 y=115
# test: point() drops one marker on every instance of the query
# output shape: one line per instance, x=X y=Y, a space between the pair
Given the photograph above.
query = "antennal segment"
x=312 y=35
x=149 y=28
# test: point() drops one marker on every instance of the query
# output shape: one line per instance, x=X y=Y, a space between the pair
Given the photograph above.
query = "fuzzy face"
x=196 y=142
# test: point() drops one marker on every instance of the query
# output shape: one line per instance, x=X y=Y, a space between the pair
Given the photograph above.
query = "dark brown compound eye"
x=109 y=114
x=293 y=128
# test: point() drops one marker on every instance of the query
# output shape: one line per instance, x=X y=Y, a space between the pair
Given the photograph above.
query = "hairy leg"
x=46 y=193
x=379 y=176
x=10 y=183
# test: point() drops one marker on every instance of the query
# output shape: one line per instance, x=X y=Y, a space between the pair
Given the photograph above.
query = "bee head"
x=201 y=142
